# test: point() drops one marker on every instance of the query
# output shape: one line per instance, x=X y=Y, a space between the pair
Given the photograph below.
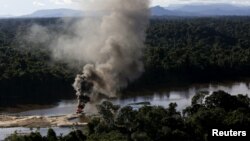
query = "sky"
x=22 y=7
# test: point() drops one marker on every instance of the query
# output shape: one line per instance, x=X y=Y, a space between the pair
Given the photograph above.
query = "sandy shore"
x=42 y=121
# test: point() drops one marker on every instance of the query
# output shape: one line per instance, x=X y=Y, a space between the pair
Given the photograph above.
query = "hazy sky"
x=20 y=7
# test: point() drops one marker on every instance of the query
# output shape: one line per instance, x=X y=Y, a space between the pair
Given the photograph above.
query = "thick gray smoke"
x=112 y=46
x=110 y=43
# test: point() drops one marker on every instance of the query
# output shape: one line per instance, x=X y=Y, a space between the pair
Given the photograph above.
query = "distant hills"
x=161 y=11
x=56 y=13
x=201 y=10
x=172 y=10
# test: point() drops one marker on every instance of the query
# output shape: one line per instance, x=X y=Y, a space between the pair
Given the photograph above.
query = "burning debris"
x=109 y=43
x=83 y=90
x=112 y=49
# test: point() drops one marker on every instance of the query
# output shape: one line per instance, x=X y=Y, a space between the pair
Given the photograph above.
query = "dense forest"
x=219 y=110
x=27 y=70
x=181 y=50
x=198 y=49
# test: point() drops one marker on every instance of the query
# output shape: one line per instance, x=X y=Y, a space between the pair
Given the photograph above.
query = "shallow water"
x=162 y=97
x=156 y=96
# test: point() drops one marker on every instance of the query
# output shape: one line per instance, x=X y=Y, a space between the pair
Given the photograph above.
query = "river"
x=162 y=96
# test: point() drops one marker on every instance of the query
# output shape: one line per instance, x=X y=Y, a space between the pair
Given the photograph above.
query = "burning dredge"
x=112 y=48
x=88 y=84
x=83 y=89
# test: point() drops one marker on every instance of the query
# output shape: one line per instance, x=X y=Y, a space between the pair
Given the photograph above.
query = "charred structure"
x=111 y=47
x=83 y=89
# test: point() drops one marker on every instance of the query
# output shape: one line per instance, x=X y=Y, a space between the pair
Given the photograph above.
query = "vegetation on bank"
x=178 y=50
x=219 y=110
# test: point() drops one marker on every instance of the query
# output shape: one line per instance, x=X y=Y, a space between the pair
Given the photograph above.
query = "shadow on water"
x=161 y=95
x=37 y=100
x=182 y=95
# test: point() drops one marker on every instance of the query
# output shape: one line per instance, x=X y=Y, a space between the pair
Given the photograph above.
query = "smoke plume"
x=110 y=42
x=112 y=46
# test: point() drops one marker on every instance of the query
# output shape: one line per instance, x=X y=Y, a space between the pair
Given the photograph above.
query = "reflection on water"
x=62 y=108
x=183 y=96
x=161 y=97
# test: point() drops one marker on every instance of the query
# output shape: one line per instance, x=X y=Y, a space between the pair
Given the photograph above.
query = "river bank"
x=43 y=121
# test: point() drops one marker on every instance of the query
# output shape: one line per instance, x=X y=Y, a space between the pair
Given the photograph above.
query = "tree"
x=75 y=136
x=51 y=135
